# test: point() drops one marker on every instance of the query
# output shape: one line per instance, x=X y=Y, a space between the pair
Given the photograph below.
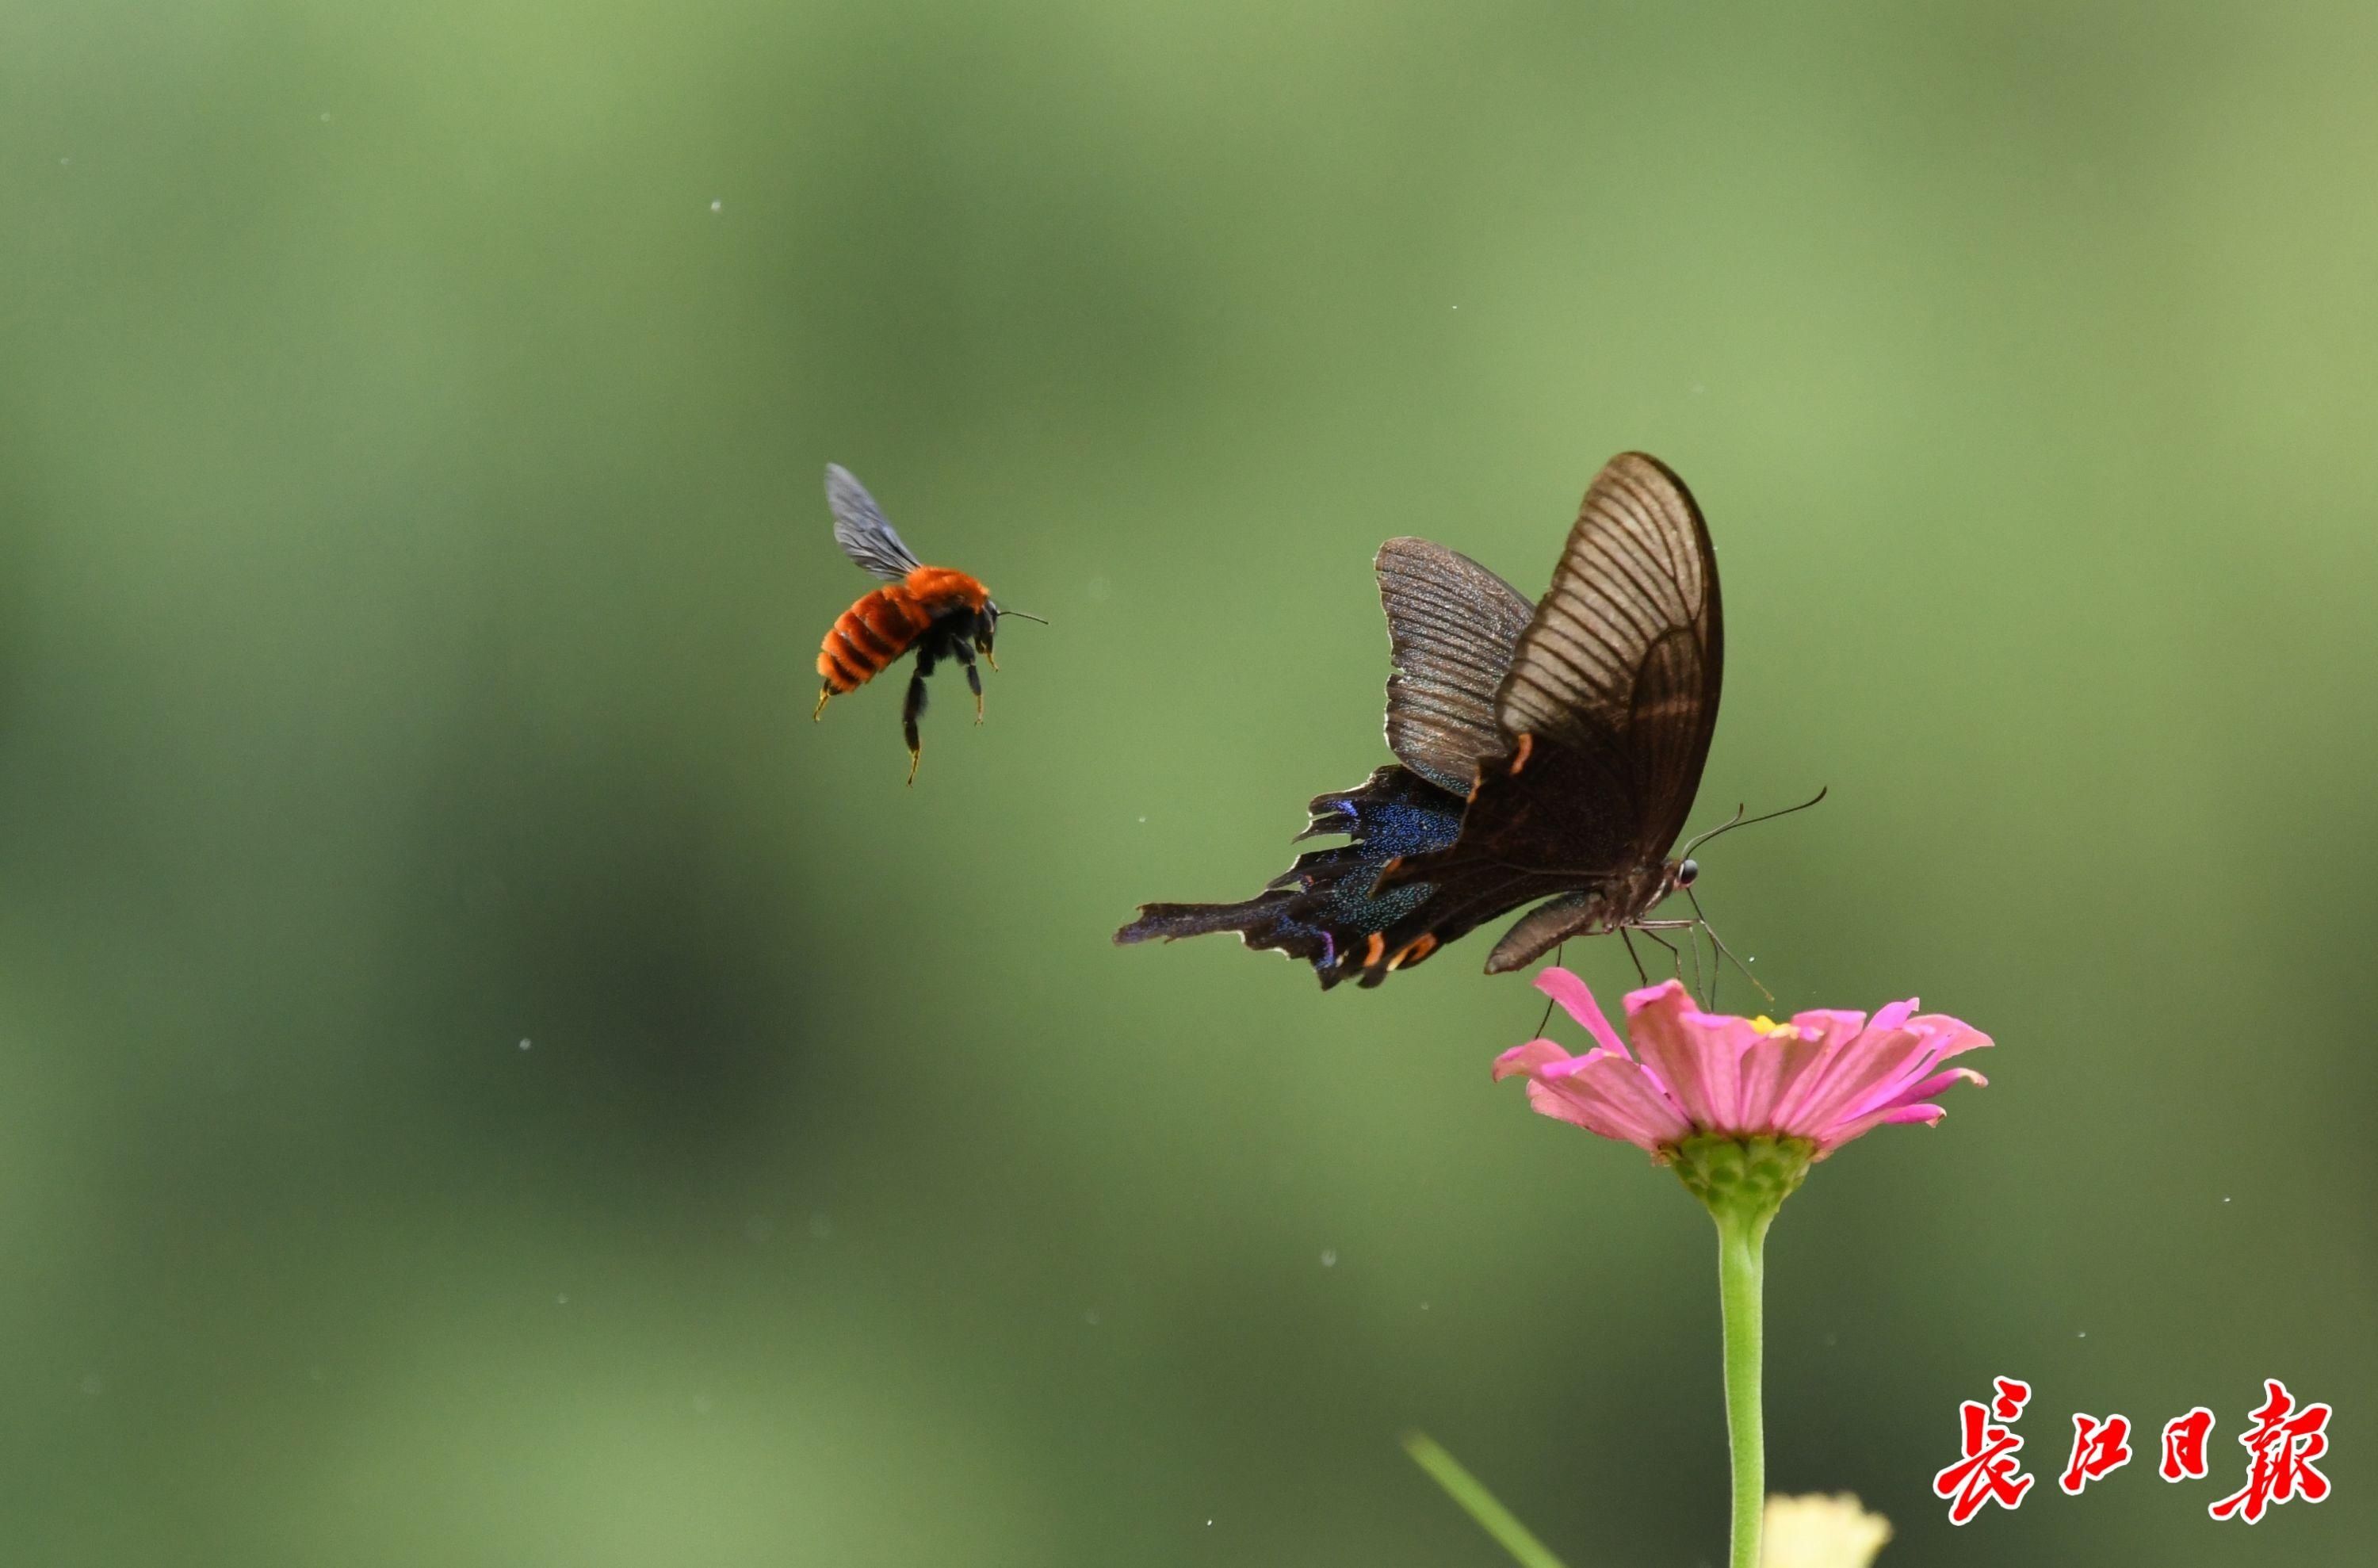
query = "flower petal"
x=1950 y=1037
x=1845 y=1132
x=1867 y=1075
x=1621 y=1092
x=1832 y=1025
x=1549 y=1101
x=1696 y=1054
x=1772 y=1073
x=1578 y=1002
x=1940 y=1080
x=1531 y=1057
x=1636 y=1001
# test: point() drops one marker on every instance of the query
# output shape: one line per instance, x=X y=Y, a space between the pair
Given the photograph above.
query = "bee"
x=940 y=612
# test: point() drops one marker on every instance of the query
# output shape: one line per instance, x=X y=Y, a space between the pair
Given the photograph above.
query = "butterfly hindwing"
x=1323 y=908
x=1452 y=626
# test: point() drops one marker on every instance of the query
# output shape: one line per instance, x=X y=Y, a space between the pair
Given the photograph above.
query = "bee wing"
x=860 y=528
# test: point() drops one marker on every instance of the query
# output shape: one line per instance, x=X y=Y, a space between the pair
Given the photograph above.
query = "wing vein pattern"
x=861 y=529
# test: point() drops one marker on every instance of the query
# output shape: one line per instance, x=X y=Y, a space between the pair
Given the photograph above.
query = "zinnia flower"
x=1821 y=1079
x=1740 y=1108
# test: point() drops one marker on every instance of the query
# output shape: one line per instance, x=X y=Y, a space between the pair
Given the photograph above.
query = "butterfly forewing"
x=1622 y=661
x=861 y=529
x=1451 y=629
x=1607 y=712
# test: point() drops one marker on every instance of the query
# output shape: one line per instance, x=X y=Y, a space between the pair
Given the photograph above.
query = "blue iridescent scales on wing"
x=1326 y=909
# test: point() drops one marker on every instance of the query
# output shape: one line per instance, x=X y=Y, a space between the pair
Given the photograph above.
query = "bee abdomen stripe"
x=866 y=638
x=893 y=620
x=868 y=649
x=834 y=669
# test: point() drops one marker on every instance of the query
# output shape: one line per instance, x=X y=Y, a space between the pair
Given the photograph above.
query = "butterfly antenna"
x=1727 y=953
x=1694 y=843
x=1737 y=820
x=1545 y=1022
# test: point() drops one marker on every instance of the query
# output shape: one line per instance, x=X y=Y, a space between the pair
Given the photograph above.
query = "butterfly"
x=1543 y=753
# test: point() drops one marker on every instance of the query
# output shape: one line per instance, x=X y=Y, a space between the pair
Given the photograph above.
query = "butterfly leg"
x=1726 y=953
x=974 y=677
x=913 y=707
x=1626 y=935
x=1678 y=959
x=1648 y=927
x=1545 y=1022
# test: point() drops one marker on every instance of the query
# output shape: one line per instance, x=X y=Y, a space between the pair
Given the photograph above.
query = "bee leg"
x=974 y=677
x=912 y=707
x=822 y=697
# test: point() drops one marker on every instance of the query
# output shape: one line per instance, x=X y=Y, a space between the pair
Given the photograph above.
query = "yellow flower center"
x=1767 y=1026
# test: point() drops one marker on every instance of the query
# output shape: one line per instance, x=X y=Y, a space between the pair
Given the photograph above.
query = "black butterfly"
x=1550 y=752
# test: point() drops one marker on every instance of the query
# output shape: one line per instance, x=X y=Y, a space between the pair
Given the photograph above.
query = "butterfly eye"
x=1686 y=872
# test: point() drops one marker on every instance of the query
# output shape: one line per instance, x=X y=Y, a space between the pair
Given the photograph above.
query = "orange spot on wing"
x=1414 y=950
x=1371 y=952
x=1519 y=758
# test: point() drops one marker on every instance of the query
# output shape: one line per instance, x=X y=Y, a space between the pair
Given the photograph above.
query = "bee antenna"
x=1024 y=615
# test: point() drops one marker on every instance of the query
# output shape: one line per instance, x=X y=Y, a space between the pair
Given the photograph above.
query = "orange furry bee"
x=940 y=612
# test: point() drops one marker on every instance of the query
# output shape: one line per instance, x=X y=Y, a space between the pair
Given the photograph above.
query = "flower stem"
x=1477 y=1502
x=1742 y=1182
x=1741 y=1272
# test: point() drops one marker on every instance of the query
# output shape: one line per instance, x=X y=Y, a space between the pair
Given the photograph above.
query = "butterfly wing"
x=1323 y=909
x=861 y=529
x=1620 y=666
x=1607 y=713
x=1452 y=627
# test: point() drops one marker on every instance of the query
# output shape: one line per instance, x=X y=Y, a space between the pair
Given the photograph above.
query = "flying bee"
x=940 y=612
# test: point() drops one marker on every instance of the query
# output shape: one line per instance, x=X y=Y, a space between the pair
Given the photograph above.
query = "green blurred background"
x=485 y=1080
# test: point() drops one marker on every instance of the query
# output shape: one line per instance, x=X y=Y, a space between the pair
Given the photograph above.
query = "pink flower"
x=1825 y=1077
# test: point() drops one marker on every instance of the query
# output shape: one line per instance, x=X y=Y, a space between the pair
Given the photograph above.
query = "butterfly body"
x=1554 y=750
x=936 y=612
